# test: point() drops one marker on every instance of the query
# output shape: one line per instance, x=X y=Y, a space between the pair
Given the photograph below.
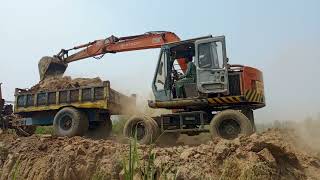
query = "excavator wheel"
x=250 y=116
x=144 y=128
x=230 y=124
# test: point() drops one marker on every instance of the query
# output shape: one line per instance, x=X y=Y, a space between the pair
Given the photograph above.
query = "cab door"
x=160 y=82
x=211 y=62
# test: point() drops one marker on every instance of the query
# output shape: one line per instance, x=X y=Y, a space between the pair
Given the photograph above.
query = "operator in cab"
x=188 y=77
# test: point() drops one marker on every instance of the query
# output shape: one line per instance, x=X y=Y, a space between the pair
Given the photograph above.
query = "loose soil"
x=270 y=155
x=65 y=82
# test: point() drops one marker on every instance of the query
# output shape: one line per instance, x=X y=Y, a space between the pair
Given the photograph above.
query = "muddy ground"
x=273 y=154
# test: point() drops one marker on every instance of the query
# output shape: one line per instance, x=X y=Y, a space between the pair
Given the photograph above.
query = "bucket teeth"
x=51 y=67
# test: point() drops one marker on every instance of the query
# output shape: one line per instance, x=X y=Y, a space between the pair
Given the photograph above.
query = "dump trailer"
x=71 y=111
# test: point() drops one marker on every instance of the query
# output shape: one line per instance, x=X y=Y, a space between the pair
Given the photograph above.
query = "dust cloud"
x=291 y=87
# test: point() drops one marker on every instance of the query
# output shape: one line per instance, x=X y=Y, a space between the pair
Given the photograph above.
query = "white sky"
x=279 y=37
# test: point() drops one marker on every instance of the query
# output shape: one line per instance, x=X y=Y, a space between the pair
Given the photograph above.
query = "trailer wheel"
x=143 y=127
x=230 y=124
x=70 y=122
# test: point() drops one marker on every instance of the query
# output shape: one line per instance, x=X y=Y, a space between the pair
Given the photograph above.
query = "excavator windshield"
x=210 y=55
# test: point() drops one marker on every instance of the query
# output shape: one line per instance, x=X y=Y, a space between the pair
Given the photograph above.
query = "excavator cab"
x=210 y=59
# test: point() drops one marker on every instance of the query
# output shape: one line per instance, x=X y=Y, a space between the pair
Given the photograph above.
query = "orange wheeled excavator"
x=220 y=100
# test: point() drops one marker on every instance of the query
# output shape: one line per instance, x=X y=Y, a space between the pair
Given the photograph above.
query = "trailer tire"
x=146 y=128
x=230 y=124
x=70 y=122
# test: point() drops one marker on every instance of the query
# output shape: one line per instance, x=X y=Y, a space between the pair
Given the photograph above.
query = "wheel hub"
x=229 y=129
x=139 y=131
x=66 y=123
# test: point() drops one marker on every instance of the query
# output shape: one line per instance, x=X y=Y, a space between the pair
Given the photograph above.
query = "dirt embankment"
x=271 y=155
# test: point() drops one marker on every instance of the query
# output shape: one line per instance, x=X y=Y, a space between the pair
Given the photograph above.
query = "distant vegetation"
x=308 y=123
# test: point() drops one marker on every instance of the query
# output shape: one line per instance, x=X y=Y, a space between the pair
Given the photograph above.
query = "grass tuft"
x=44 y=130
x=16 y=170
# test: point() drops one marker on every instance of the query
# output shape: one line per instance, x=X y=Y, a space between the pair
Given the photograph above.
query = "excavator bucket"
x=51 y=67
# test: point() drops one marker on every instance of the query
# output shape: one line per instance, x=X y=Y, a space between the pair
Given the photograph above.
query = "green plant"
x=44 y=130
x=148 y=169
x=16 y=170
x=134 y=166
x=130 y=163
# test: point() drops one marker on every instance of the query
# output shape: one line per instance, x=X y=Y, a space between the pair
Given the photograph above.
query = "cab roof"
x=172 y=44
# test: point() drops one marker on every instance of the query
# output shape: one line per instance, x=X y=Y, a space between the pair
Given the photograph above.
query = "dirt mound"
x=60 y=158
x=270 y=155
x=59 y=83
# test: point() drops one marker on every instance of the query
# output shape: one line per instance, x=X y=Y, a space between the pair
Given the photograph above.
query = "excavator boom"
x=57 y=65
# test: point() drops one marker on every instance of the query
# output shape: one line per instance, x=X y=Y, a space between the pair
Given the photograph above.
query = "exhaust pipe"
x=51 y=67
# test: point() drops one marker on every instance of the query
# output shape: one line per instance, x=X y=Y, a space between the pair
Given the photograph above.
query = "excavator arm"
x=56 y=65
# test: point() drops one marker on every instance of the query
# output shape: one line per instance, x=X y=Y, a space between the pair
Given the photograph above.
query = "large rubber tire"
x=70 y=122
x=250 y=116
x=230 y=124
x=145 y=128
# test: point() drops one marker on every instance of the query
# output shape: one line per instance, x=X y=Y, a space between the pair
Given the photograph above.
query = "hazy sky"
x=282 y=38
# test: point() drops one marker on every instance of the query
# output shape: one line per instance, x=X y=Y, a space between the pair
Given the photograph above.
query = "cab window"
x=160 y=78
x=210 y=55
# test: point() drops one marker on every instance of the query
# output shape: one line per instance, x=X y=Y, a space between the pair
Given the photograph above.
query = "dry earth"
x=65 y=82
x=270 y=155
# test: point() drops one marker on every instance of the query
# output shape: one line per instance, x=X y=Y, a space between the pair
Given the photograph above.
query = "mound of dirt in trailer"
x=270 y=155
x=65 y=82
